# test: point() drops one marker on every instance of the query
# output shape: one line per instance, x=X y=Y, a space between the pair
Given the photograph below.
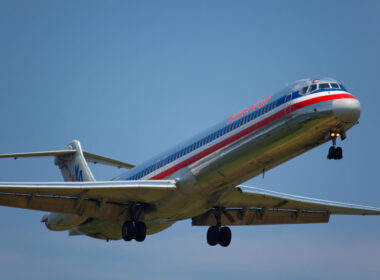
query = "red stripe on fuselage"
x=247 y=131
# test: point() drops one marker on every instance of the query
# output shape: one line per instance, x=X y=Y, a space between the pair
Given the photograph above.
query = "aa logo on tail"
x=78 y=174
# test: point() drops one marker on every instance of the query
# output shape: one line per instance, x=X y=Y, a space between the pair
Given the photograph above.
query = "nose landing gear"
x=335 y=152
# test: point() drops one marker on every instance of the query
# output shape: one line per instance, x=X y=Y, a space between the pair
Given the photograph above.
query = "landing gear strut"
x=335 y=152
x=218 y=234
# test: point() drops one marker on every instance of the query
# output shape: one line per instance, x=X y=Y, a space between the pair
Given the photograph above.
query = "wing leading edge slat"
x=244 y=196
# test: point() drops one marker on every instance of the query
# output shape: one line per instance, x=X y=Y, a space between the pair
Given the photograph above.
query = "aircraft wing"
x=254 y=206
x=108 y=199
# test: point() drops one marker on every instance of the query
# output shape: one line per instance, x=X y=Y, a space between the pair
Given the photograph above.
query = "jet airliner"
x=200 y=179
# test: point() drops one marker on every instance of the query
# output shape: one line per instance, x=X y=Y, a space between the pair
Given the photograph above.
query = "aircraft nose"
x=347 y=110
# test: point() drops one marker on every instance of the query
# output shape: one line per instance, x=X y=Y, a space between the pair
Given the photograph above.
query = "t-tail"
x=74 y=167
x=72 y=161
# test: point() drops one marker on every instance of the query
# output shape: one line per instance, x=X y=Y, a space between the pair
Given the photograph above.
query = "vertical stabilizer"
x=74 y=167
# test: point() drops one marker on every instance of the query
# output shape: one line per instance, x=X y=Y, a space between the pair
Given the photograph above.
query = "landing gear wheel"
x=140 y=231
x=225 y=236
x=335 y=153
x=331 y=152
x=128 y=231
x=213 y=235
x=339 y=153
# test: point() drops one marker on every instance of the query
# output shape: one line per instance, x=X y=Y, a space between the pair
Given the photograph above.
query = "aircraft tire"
x=331 y=154
x=339 y=153
x=140 y=231
x=225 y=236
x=212 y=235
x=128 y=231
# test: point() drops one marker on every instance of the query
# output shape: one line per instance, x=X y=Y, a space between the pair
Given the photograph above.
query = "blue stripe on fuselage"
x=211 y=136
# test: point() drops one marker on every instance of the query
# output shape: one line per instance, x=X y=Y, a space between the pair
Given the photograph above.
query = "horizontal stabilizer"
x=106 y=161
x=88 y=156
x=39 y=154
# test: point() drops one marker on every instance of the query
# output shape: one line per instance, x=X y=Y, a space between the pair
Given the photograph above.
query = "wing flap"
x=254 y=206
x=86 y=207
x=94 y=199
x=142 y=191
x=241 y=217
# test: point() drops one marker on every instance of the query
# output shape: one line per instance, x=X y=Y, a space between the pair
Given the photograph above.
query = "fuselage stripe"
x=276 y=116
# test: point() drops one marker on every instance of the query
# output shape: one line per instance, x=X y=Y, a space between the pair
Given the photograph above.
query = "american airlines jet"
x=200 y=178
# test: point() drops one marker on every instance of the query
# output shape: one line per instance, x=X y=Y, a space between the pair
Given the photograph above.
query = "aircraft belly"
x=201 y=184
x=111 y=229
x=266 y=148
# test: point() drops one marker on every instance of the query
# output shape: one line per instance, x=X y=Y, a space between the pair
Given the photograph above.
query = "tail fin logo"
x=78 y=174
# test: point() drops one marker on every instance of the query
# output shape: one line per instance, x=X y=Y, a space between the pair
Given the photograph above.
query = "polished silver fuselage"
x=204 y=175
x=204 y=182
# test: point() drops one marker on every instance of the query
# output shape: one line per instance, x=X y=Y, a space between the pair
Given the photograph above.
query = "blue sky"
x=132 y=78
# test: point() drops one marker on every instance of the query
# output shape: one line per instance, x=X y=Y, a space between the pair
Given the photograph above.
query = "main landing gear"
x=134 y=228
x=335 y=152
x=218 y=234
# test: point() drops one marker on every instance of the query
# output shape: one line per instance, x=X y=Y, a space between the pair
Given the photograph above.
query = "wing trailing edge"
x=255 y=206
x=108 y=199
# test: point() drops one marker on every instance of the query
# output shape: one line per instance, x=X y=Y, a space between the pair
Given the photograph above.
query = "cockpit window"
x=303 y=90
x=324 y=86
x=334 y=85
x=312 y=88
x=342 y=87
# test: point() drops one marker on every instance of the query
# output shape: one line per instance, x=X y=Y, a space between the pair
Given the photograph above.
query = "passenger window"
x=334 y=85
x=324 y=86
x=313 y=88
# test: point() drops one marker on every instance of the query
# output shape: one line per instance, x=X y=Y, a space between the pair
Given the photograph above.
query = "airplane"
x=200 y=179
